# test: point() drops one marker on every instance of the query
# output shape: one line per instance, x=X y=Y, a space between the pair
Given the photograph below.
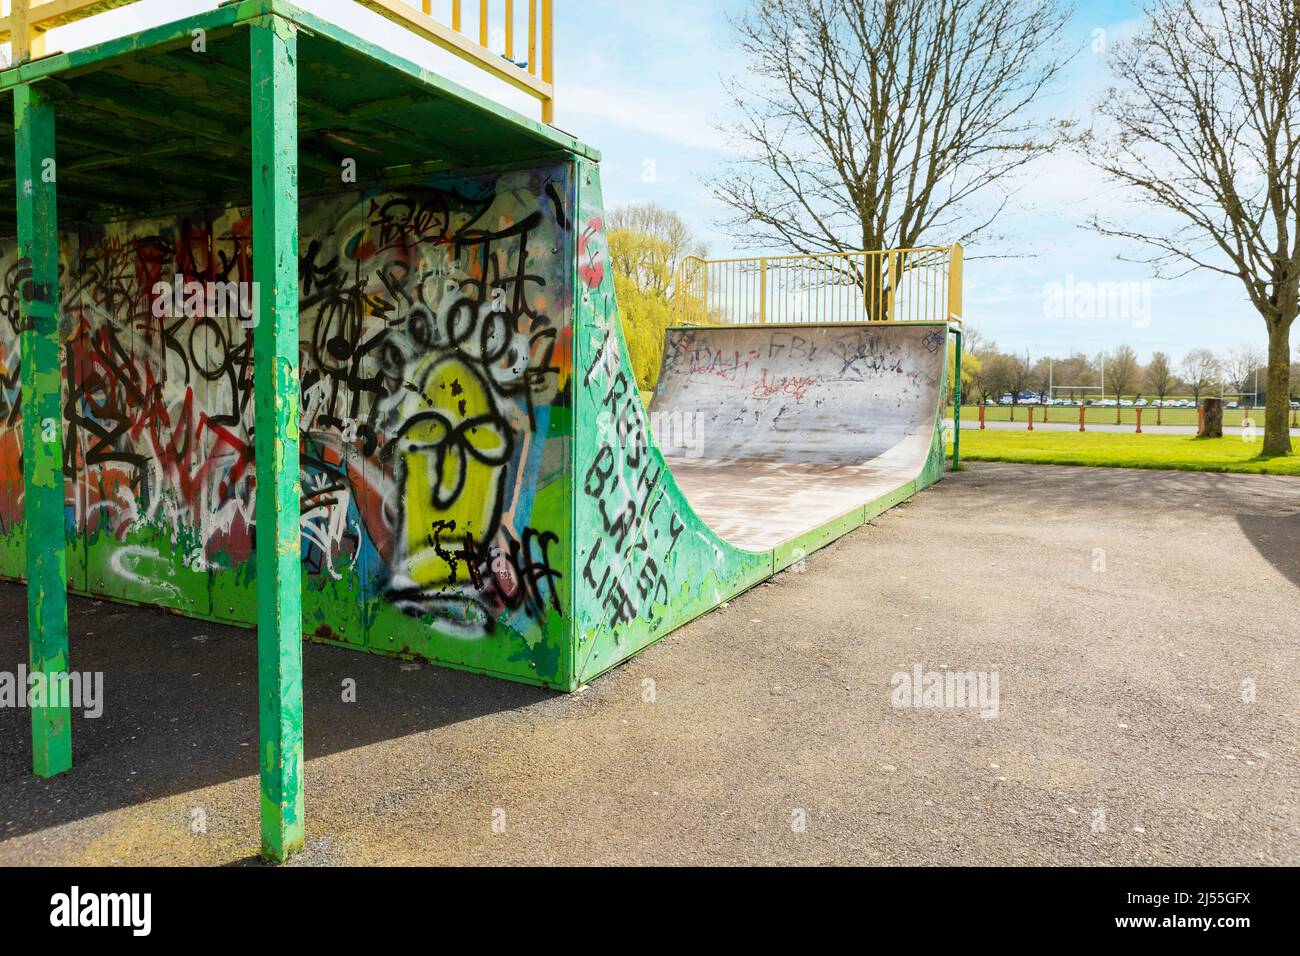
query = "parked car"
x=1231 y=405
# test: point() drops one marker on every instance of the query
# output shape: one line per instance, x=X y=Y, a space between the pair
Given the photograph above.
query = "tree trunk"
x=1211 y=418
x=1277 y=432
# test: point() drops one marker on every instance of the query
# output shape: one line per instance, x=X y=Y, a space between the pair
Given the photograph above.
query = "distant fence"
x=895 y=285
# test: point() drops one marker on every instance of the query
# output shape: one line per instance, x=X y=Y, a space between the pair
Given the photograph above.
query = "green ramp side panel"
x=644 y=562
x=936 y=461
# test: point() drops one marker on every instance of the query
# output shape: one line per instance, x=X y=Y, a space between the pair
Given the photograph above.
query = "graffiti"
x=794 y=386
x=630 y=548
x=434 y=350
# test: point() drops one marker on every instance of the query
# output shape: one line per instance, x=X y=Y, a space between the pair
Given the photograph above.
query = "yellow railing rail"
x=893 y=285
x=27 y=21
x=498 y=21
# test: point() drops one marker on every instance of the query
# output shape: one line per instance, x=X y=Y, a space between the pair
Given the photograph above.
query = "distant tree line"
x=989 y=374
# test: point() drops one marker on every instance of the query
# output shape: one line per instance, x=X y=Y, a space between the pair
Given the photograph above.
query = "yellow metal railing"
x=895 y=285
x=27 y=21
x=497 y=20
x=500 y=23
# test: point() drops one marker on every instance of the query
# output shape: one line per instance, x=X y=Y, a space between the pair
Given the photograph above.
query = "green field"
x=1102 y=416
x=1181 y=452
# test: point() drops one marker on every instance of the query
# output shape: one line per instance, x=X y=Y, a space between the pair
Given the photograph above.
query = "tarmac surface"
x=1142 y=626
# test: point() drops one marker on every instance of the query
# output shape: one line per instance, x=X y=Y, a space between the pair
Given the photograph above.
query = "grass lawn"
x=1102 y=416
x=1182 y=452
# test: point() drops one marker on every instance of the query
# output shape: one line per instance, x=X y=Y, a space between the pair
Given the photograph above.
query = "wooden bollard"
x=1139 y=418
x=1031 y=417
x=1200 y=418
x=1081 y=411
x=981 y=416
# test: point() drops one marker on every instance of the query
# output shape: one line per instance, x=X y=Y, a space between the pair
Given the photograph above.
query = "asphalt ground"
x=1148 y=709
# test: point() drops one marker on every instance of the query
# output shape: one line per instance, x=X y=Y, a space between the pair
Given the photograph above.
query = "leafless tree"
x=1076 y=372
x=1019 y=374
x=1123 y=372
x=876 y=124
x=1204 y=125
x=1201 y=371
x=1160 y=380
x=1240 y=367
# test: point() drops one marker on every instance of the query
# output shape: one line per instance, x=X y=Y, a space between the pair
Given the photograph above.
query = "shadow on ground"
x=1275 y=539
x=180 y=708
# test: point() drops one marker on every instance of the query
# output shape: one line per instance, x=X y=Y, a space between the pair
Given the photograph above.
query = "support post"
x=956 y=407
x=42 y=407
x=274 y=99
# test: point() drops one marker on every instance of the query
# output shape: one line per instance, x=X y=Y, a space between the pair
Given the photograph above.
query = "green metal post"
x=274 y=95
x=956 y=408
x=42 y=383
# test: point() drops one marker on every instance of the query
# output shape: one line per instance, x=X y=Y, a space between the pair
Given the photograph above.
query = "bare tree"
x=1160 y=379
x=876 y=124
x=1019 y=374
x=984 y=377
x=1041 y=377
x=1076 y=372
x=1122 y=374
x=997 y=376
x=1206 y=127
x=1201 y=371
x=646 y=243
x=1240 y=367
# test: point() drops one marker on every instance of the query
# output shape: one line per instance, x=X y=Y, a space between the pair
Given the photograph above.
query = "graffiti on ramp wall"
x=435 y=344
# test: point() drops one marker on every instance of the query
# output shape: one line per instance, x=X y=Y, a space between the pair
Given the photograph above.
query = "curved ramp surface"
x=774 y=431
x=763 y=443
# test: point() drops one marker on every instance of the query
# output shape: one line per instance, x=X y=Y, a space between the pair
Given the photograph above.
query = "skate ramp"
x=772 y=432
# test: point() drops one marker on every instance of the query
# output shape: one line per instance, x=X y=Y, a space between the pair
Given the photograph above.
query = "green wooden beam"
x=273 y=43
x=42 y=382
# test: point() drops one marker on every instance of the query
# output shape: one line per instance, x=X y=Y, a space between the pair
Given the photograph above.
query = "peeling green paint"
x=274 y=79
x=47 y=571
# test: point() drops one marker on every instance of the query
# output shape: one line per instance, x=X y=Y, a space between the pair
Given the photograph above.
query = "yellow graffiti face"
x=455 y=451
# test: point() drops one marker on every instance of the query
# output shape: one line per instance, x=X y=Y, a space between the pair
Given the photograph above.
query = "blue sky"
x=642 y=82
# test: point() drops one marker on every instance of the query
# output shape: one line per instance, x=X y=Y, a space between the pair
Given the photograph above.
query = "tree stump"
x=1211 y=418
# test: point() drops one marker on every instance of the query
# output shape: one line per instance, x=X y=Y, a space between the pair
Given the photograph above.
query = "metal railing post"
x=956 y=407
x=955 y=256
